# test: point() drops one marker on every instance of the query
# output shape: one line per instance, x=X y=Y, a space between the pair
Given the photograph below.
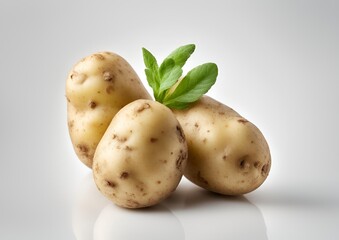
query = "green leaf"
x=178 y=105
x=166 y=66
x=169 y=74
x=195 y=84
x=151 y=71
x=149 y=60
x=151 y=79
x=165 y=78
x=170 y=78
x=181 y=54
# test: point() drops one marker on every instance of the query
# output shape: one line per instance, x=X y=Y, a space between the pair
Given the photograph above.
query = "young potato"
x=96 y=89
x=227 y=154
x=140 y=159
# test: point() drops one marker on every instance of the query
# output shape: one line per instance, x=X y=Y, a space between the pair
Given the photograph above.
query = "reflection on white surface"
x=190 y=213
x=156 y=222
x=88 y=204
x=95 y=217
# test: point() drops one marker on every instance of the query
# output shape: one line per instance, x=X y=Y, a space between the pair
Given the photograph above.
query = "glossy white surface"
x=193 y=213
x=278 y=66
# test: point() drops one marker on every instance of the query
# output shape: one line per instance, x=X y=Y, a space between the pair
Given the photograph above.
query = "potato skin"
x=227 y=154
x=141 y=157
x=97 y=87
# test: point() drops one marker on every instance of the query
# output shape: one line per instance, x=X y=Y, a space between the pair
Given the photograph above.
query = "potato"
x=96 y=89
x=141 y=157
x=227 y=154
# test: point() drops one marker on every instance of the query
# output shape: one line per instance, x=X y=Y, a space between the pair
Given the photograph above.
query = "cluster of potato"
x=139 y=149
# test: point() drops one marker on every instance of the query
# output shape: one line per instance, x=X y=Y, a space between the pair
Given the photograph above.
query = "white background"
x=278 y=67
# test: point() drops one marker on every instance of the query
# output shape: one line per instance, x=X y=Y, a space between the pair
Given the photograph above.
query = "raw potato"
x=141 y=157
x=227 y=154
x=96 y=89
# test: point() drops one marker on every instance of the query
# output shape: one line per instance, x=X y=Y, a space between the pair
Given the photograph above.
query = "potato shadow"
x=209 y=215
x=189 y=196
x=294 y=198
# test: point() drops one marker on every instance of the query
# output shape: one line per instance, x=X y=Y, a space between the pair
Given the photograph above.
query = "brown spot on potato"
x=109 y=89
x=140 y=187
x=196 y=125
x=128 y=148
x=180 y=133
x=130 y=194
x=78 y=78
x=71 y=124
x=96 y=168
x=110 y=184
x=83 y=148
x=120 y=71
x=204 y=140
x=242 y=121
x=224 y=157
x=264 y=169
x=132 y=79
x=92 y=104
x=153 y=140
x=132 y=203
x=68 y=100
x=256 y=164
x=98 y=56
x=244 y=163
x=158 y=182
x=120 y=139
x=252 y=142
x=124 y=175
x=108 y=76
x=182 y=156
x=221 y=113
x=201 y=179
x=143 y=107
